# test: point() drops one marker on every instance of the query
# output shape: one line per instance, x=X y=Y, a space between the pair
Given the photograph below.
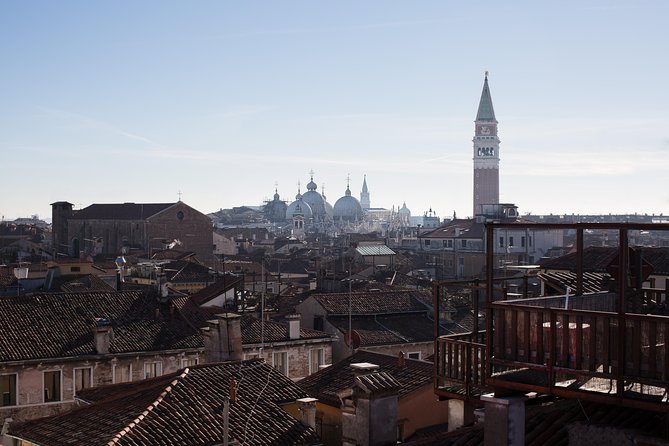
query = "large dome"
x=404 y=210
x=347 y=208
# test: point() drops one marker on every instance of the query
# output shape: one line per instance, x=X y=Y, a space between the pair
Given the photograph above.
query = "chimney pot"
x=401 y=361
x=233 y=390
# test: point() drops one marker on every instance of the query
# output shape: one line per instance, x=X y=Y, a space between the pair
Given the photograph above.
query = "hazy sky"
x=134 y=101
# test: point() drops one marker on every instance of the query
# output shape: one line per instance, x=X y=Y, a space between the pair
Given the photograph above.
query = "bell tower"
x=364 y=195
x=486 y=153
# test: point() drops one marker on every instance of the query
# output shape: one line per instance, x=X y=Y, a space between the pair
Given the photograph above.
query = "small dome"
x=275 y=210
x=404 y=209
x=304 y=209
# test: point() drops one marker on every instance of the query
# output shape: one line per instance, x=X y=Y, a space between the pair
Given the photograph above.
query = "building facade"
x=116 y=229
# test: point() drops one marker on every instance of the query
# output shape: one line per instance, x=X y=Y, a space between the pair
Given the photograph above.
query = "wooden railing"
x=552 y=343
x=460 y=370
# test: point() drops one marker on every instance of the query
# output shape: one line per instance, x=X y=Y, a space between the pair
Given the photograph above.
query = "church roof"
x=485 y=112
x=121 y=211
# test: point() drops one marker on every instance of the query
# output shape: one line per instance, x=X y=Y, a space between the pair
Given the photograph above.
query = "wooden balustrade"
x=460 y=365
x=581 y=343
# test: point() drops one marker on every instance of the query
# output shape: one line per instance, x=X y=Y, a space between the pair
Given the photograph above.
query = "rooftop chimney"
x=369 y=408
x=401 y=361
x=308 y=411
x=232 y=391
x=103 y=335
x=293 y=325
x=223 y=338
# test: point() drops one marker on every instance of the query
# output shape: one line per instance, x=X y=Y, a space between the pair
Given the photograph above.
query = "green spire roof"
x=486 y=112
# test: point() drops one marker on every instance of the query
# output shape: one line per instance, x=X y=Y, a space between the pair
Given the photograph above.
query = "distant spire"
x=485 y=112
x=364 y=184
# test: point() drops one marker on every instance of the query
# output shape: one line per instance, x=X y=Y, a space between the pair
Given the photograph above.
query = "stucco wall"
x=30 y=384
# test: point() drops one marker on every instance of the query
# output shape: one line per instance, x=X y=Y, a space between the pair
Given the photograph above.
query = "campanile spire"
x=486 y=152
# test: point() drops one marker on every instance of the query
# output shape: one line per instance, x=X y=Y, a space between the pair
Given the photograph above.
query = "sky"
x=222 y=102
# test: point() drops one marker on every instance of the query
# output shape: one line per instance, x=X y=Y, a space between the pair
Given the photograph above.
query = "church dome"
x=315 y=201
x=299 y=207
x=404 y=209
x=275 y=210
x=347 y=208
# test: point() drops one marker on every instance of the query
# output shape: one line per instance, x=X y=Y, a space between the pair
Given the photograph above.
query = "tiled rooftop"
x=374 y=302
x=458 y=228
x=547 y=425
x=121 y=211
x=198 y=316
x=393 y=329
x=223 y=284
x=560 y=280
x=326 y=383
x=597 y=258
x=181 y=408
x=80 y=284
x=60 y=325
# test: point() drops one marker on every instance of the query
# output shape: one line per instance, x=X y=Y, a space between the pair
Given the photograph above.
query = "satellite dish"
x=355 y=338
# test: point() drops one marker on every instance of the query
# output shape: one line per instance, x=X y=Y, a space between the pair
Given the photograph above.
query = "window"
x=427 y=242
x=529 y=240
x=122 y=373
x=52 y=386
x=188 y=362
x=82 y=378
x=153 y=369
x=75 y=269
x=463 y=243
x=280 y=362
x=522 y=241
x=510 y=241
x=318 y=323
x=413 y=355
x=8 y=390
x=315 y=359
x=501 y=242
x=450 y=243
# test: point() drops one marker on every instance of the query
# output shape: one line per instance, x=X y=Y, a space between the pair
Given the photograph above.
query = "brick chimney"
x=293 y=325
x=103 y=335
x=401 y=360
x=369 y=408
x=223 y=338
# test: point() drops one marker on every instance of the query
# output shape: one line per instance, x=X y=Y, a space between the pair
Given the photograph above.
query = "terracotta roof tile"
x=217 y=288
x=121 y=211
x=60 y=324
x=182 y=408
x=374 y=302
x=328 y=382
